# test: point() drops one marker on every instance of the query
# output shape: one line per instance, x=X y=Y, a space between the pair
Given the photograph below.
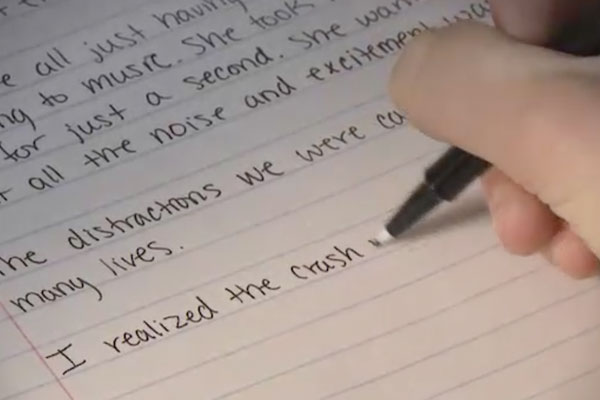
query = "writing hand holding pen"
x=533 y=113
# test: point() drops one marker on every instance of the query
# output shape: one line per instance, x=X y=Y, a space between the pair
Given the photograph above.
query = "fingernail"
x=408 y=64
x=503 y=206
x=497 y=196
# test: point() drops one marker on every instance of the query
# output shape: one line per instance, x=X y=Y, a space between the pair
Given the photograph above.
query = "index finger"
x=472 y=86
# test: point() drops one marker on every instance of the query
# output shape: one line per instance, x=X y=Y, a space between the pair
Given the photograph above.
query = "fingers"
x=568 y=251
x=529 y=111
x=522 y=222
x=526 y=226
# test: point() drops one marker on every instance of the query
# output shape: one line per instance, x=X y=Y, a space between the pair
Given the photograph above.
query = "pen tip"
x=382 y=239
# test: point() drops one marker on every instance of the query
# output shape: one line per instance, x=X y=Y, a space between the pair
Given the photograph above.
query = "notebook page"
x=187 y=190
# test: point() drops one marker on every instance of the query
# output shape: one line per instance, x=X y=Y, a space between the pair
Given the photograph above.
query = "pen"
x=448 y=177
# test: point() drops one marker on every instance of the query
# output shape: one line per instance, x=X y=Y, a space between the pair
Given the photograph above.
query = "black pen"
x=456 y=169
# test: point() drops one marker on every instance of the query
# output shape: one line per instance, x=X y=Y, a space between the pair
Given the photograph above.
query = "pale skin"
x=532 y=112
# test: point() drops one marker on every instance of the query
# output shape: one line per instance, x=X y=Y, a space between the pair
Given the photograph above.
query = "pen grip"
x=453 y=172
x=456 y=169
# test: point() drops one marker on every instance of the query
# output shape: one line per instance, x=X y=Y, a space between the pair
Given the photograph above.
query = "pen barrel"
x=453 y=172
x=579 y=36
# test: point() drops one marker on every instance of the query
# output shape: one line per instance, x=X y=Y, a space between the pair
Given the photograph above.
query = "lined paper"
x=187 y=193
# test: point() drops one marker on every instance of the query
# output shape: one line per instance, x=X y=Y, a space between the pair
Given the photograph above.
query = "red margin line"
x=36 y=352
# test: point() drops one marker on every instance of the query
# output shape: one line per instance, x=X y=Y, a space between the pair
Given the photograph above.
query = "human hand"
x=531 y=112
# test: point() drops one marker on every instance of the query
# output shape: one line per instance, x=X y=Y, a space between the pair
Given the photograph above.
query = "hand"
x=533 y=113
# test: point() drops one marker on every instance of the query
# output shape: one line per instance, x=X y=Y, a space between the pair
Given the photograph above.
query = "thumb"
x=531 y=112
